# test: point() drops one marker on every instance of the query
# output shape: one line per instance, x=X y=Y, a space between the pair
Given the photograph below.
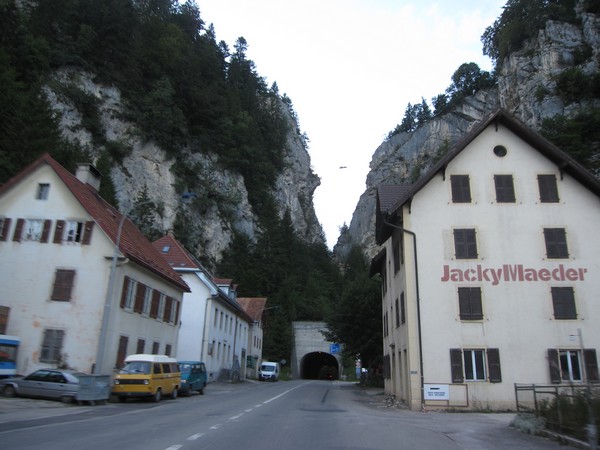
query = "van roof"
x=150 y=358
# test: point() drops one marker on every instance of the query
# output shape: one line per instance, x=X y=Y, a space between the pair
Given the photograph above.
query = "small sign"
x=436 y=392
x=334 y=348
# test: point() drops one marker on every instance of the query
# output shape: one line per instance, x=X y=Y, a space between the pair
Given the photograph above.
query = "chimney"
x=88 y=174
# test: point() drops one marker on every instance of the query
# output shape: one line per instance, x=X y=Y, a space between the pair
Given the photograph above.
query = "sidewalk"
x=17 y=409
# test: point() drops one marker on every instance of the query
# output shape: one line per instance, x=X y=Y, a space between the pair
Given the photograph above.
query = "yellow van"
x=151 y=376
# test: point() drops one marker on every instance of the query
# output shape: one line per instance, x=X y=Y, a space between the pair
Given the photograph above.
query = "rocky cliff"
x=527 y=87
x=219 y=204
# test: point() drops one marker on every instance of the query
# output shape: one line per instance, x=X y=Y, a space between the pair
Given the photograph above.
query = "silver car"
x=43 y=383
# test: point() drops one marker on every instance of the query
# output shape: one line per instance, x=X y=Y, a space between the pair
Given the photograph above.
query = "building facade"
x=490 y=267
x=82 y=285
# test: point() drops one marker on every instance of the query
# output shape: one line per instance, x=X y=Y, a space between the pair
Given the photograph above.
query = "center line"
x=193 y=437
x=236 y=417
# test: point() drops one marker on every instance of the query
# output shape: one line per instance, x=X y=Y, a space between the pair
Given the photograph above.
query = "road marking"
x=216 y=427
x=174 y=447
x=283 y=393
x=193 y=437
x=249 y=410
x=236 y=417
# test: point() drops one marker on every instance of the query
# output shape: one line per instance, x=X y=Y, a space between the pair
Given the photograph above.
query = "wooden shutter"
x=87 y=234
x=554 y=366
x=4 y=229
x=63 y=285
x=493 y=356
x=58 y=231
x=167 y=311
x=177 y=305
x=122 y=352
x=456 y=365
x=18 y=230
x=126 y=282
x=154 y=304
x=140 y=293
x=46 y=231
x=591 y=364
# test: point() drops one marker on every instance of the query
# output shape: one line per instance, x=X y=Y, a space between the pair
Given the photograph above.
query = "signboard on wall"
x=436 y=392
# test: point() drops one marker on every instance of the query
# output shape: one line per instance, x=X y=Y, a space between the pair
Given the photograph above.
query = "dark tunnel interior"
x=319 y=366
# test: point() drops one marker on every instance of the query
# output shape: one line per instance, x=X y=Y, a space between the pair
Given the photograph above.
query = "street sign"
x=334 y=348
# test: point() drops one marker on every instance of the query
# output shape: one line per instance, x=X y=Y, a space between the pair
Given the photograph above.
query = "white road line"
x=216 y=427
x=283 y=393
x=193 y=437
x=174 y=447
x=236 y=417
x=248 y=410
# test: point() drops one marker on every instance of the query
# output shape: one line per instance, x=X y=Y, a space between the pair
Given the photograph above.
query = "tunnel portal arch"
x=319 y=366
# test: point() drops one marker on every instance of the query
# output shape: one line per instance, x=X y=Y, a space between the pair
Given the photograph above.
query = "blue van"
x=193 y=377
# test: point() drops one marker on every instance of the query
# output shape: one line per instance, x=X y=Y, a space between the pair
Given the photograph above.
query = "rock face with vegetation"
x=547 y=57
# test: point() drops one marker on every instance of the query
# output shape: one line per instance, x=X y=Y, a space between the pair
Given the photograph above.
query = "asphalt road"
x=300 y=414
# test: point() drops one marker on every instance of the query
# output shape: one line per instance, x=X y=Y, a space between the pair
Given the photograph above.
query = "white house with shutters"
x=67 y=302
x=490 y=267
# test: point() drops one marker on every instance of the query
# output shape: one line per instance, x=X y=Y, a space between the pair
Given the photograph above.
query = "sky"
x=350 y=68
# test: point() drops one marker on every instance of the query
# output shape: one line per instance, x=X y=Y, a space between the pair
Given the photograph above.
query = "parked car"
x=44 y=383
x=193 y=377
x=149 y=376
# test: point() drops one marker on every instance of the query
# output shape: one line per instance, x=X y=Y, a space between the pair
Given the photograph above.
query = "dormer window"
x=43 y=190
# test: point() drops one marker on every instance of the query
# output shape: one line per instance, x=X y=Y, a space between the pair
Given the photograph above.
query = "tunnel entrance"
x=319 y=366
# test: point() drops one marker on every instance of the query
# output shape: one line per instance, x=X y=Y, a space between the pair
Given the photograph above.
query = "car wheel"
x=201 y=390
x=157 y=396
x=122 y=399
x=9 y=391
x=174 y=394
x=67 y=399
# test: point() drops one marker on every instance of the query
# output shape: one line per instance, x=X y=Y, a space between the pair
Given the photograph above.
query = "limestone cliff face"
x=526 y=88
x=219 y=204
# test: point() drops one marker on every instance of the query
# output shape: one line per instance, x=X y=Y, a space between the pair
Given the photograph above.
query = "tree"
x=356 y=320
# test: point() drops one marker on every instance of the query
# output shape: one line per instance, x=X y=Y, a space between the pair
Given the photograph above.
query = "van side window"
x=156 y=368
x=166 y=368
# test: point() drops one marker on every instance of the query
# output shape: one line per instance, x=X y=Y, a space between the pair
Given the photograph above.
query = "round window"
x=500 y=151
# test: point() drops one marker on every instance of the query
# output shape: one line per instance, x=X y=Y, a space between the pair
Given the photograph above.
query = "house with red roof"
x=254 y=307
x=215 y=328
x=490 y=268
x=82 y=286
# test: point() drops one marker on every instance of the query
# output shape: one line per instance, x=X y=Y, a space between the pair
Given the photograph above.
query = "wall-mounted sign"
x=334 y=349
x=436 y=392
x=512 y=272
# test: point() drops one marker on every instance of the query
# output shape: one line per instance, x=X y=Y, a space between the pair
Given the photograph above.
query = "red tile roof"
x=175 y=254
x=133 y=244
x=254 y=306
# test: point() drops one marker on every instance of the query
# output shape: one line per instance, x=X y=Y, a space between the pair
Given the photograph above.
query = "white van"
x=269 y=371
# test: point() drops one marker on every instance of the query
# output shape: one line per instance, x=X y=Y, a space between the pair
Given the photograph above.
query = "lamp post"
x=592 y=432
x=109 y=294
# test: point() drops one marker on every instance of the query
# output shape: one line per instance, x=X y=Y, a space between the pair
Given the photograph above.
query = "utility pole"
x=592 y=432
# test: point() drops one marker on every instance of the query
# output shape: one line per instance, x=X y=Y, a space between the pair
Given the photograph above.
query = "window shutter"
x=554 y=366
x=18 y=230
x=5 y=228
x=87 y=235
x=58 y=231
x=46 y=231
x=167 y=311
x=493 y=355
x=456 y=365
x=177 y=306
x=63 y=285
x=154 y=304
x=140 y=293
x=591 y=364
x=124 y=292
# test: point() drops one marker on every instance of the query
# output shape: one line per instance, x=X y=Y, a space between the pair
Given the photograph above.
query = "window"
x=161 y=307
x=556 y=243
x=465 y=245
x=52 y=346
x=505 y=190
x=397 y=313
x=167 y=311
x=398 y=256
x=141 y=345
x=470 y=365
x=563 y=301
x=402 y=309
x=147 y=301
x=168 y=350
x=73 y=231
x=155 y=304
x=216 y=317
x=461 y=189
x=43 y=190
x=128 y=294
x=469 y=300
x=32 y=230
x=4 y=228
x=155 y=347
x=63 y=285
x=548 y=188
x=140 y=297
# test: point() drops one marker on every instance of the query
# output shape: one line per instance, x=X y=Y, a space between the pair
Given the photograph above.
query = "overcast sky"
x=350 y=68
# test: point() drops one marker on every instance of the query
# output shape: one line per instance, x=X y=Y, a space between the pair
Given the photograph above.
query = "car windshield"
x=267 y=367
x=185 y=368
x=136 y=367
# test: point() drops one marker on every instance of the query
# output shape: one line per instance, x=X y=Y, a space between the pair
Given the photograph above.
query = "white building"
x=215 y=328
x=254 y=307
x=491 y=272
x=57 y=247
